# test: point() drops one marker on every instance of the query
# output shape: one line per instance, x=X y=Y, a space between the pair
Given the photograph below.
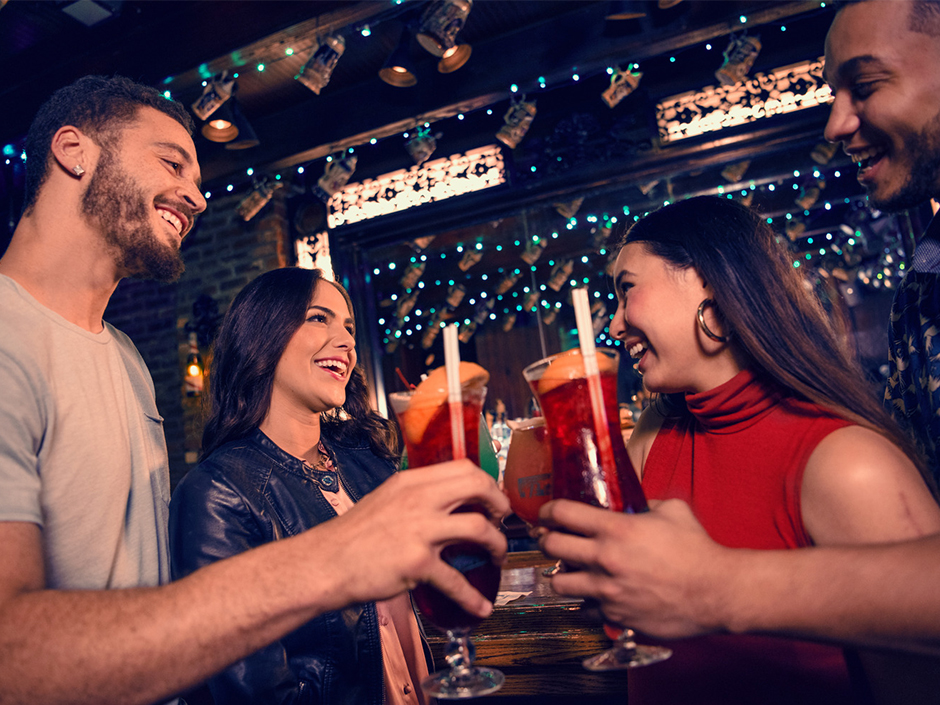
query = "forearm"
x=873 y=596
x=141 y=645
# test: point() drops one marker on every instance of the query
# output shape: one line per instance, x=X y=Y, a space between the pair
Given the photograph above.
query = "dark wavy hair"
x=97 y=105
x=776 y=321
x=253 y=335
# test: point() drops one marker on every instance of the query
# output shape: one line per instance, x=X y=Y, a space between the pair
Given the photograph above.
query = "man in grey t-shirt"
x=112 y=188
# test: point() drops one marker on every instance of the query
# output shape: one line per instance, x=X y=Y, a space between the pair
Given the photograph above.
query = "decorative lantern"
x=517 y=121
x=823 y=152
x=440 y=24
x=422 y=145
x=411 y=276
x=560 y=273
x=739 y=58
x=336 y=174
x=534 y=246
x=316 y=73
x=216 y=92
x=733 y=173
x=622 y=84
x=257 y=199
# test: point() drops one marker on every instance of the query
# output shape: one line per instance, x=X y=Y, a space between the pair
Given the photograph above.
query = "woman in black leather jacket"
x=291 y=441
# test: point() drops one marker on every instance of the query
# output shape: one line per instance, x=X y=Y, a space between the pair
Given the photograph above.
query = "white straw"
x=454 y=398
x=452 y=363
x=582 y=315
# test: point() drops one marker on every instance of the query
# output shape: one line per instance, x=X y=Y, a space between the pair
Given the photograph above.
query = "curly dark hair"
x=97 y=105
x=251 y=340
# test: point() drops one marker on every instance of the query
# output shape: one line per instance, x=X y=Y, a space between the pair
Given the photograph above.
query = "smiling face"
x=886 y=109
x=312 y=373
x=144 y=195
x=655 y=320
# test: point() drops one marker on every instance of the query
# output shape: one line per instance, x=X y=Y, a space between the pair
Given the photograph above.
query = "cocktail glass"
x=427 y=432
x=578 y=470
x=527 y=480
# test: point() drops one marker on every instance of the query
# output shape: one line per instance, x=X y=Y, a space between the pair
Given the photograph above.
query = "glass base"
x=621 y=656
x=459 y=684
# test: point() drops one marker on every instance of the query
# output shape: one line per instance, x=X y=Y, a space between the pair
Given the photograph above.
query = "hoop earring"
x=705 y=329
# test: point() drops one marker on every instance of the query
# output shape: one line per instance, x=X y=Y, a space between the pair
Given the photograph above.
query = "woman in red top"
x=765 y=425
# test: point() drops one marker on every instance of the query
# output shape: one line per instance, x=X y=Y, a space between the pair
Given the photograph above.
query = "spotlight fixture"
x=221 y=126
x=316 y=73
x=457 y=57
x=399 y=69
x=440 y=24
x=625 y=10
x=246 y=137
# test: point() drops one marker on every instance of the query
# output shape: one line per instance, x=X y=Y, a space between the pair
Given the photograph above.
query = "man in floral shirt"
x=889 y=123
x=913 y=392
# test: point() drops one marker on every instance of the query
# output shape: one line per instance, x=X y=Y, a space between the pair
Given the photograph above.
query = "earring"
x=705 y=329
x=78 y=170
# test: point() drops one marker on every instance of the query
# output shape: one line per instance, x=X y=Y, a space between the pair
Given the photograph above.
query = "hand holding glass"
x=579 y=470
x=427 y=433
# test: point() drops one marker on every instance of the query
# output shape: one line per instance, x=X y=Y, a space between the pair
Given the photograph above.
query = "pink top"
x=403 y=663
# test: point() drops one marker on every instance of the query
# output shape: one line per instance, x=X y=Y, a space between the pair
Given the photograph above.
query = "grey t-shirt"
x=82 y=451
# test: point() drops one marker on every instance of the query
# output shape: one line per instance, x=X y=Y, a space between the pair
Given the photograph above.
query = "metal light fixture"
x=625 y=10
x=316 y=73
x=221 y=126
x=454 y=58
x=399 y=69
x=440 y=24
x=245 y=137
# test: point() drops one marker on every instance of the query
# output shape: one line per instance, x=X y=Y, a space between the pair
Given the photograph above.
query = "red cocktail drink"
x=579 y=471
x=427 y=432
x=579 y=474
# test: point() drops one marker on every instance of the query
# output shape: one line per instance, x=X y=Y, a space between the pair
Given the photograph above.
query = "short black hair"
x=97 y=105
x=923 y=18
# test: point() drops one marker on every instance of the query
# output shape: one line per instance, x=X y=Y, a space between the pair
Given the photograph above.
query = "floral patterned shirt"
x=913 y=392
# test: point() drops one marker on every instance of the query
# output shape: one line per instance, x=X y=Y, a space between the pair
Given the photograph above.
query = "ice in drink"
x=424 y=416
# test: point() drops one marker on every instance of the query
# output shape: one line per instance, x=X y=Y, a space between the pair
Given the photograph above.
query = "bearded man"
x=86 y=614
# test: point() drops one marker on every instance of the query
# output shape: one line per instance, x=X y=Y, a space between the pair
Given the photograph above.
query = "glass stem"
x=459 y=654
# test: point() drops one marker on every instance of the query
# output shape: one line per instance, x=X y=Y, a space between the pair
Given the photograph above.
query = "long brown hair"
x=776 y=321
x=253 y=335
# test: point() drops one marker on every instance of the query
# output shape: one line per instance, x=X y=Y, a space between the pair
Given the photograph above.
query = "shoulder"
x=237 y=467
x=858 y=486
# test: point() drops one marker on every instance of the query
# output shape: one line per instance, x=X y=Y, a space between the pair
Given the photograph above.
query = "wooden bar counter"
x=539 y=641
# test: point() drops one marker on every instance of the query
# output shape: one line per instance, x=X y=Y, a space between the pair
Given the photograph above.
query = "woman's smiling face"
x=312 y=373
x=656 y=320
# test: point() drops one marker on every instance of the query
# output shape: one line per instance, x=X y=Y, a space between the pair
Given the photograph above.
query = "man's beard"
x=114 y=200
x=923 y=182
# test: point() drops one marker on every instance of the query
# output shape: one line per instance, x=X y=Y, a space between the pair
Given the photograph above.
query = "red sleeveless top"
x=738 y=460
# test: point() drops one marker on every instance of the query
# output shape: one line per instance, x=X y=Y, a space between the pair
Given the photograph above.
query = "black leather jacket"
x=250 y=492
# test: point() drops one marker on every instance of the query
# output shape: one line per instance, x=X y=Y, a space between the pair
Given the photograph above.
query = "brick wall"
x=222 y=255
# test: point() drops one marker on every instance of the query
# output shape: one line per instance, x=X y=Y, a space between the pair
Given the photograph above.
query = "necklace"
x=323 y=473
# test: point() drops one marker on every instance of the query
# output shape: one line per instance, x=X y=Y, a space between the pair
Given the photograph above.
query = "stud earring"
x=78 y=170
